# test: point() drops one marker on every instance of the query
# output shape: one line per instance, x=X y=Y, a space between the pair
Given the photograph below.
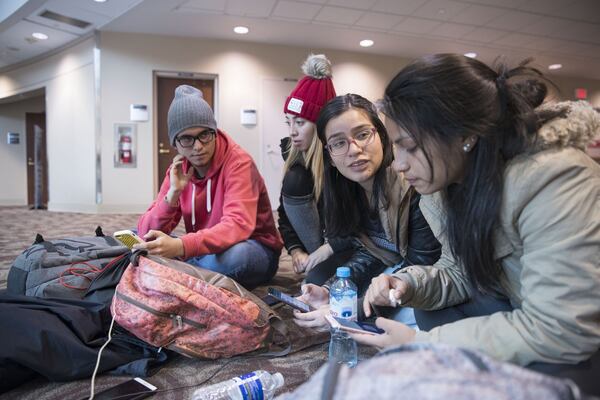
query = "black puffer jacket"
x=423 y=249
x=298 y=183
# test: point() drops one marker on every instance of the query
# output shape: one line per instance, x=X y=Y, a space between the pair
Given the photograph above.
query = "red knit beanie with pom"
x=313 y=91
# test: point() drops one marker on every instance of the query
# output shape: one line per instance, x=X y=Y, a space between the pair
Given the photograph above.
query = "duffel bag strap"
x=135 y=256
x=330 y=380
x=280 y=327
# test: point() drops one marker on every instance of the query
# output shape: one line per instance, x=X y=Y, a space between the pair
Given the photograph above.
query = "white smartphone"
x=133 y=389
x=368 y=328
x=128 y=237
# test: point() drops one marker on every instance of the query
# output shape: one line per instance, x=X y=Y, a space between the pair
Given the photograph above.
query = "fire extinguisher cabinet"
x=125 y=146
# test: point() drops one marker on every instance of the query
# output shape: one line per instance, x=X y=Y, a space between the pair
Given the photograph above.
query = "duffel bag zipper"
x=178 y=320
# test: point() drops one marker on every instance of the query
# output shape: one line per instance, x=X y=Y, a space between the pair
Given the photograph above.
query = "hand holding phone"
x=367 y=328
x=289 y=300
x=128 y=238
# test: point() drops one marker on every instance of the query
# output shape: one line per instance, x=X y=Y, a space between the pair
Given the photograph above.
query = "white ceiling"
x=552 y=31
x=17 y=44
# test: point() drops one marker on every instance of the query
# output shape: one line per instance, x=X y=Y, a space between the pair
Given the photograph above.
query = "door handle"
x=30 y=162
x=164 y=151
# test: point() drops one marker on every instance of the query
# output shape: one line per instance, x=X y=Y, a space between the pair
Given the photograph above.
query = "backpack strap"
x=39 y=239
x=111 y=241
x=279 y=327
x=330 y=380
x=135 y=256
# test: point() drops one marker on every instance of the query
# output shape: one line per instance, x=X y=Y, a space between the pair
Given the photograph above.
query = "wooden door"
x=165 y=92
x=31 y=121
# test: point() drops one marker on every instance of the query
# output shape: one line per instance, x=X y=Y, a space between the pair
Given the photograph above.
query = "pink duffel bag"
x=194 y=311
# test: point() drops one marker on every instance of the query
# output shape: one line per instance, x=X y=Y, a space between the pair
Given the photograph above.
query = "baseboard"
x=13 y=202
x=122 y=208
x=99 y=208
x=75 y=208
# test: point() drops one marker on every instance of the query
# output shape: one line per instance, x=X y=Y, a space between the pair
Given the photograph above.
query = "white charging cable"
x=99 y=355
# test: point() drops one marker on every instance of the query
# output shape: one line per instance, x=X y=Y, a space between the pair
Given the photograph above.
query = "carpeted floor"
x=18 y=227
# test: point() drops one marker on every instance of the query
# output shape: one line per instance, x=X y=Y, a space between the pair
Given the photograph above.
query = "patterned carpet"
x=18 y=227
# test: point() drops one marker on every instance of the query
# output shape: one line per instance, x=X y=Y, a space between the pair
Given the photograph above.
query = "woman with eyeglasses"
x=366 y=199
x=300 y=209
x=214 y=185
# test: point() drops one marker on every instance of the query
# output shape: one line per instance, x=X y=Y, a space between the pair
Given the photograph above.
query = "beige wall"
x=568 y=85
x=128 y=61
x=126 y=69
x=68 y=78
x=13 y=157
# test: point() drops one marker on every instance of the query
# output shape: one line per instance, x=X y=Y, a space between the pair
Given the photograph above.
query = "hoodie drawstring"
x=208 y=199
x=193 y=206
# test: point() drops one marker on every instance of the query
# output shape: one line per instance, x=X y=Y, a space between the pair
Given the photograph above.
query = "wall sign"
x=13 y=138
x=248 y=116
x=138 y=112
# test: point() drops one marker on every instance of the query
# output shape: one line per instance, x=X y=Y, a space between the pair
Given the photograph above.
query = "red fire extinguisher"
x=125 y=149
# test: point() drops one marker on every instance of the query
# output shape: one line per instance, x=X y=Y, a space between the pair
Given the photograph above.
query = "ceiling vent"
x=78 y=23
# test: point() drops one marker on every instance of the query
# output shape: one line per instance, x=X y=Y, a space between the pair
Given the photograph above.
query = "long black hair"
x=441 y=99
x=345 y=202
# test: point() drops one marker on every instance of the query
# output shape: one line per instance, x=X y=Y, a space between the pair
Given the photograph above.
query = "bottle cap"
x=278 y=378
x=343 y=272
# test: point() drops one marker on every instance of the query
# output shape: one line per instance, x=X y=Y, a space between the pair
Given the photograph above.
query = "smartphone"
x=133 y=389
x=368 y=328
x=289 y=300
x=270 y=300
x=128 y=238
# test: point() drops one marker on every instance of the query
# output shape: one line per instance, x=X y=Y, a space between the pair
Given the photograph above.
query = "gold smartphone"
x=127 y=237
x=368 y=328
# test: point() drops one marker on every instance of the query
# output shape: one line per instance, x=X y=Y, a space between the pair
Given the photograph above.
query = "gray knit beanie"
x=189 y=110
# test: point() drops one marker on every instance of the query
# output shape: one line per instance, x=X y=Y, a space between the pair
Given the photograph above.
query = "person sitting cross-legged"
x=217 y=189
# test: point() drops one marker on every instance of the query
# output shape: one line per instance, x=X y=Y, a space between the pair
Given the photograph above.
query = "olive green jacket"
x=548 y=243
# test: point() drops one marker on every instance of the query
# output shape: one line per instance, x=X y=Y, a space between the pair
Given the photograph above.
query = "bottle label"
x=250 y=386
x=343 y=307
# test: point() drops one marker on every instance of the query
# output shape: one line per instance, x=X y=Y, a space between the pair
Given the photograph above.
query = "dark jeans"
x=586 y=374
x=250 y=263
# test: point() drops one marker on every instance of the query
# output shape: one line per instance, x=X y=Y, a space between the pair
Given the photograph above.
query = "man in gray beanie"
x=217 y=189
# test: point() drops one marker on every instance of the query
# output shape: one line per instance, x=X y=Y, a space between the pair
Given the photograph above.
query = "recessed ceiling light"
x=39 y=35
x=555 y=66
x=100 y=1
x=471 y=54
x=241 y=30
x=366 y=43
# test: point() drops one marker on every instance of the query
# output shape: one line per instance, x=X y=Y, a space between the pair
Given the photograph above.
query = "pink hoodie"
x=229 y=205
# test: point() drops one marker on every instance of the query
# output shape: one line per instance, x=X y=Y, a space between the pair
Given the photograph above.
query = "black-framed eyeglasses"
x=340 y=145
x=203 y=137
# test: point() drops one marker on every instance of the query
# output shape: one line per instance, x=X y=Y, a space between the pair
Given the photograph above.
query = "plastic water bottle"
x=257 y=385
x=343 y=304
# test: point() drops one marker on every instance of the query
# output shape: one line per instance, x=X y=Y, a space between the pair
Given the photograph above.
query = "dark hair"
x=532 y=90
x=345 y=202
x=439 y=99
